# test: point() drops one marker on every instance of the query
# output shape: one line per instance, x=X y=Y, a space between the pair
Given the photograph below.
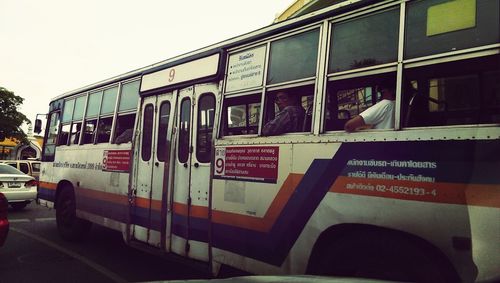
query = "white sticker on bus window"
x=246 y=69
x=451 y=16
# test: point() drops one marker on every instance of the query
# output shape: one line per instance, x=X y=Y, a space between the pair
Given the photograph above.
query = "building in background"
x=11 y=149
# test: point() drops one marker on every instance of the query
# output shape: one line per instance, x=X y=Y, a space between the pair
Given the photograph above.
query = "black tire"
x=69 y=226
x=18 y=205
x=379 y=255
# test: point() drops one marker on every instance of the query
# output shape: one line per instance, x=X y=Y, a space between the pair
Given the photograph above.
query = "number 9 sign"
x=171 y=75
x=219 y=166
x=220 y=157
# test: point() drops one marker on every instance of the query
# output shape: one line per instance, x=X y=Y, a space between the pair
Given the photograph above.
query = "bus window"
x=241 y=115
x=129 y=96
x=124 y=128
x=365 y=41
x=348 y=98
x=206 y=109
x=457 y=93
x=89 y=130
x=79 y=108
x=109 y=101
x=75 y=133
x=184 y=128
x=94 y=104
x=62 y=138
x=294 y=57
x=299 y=98
x=147 y=133
x=104 y=129
x=69 y=105
x=162 y=143
x=436 y=26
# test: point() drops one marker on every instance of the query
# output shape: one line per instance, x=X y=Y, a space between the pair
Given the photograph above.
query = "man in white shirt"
x=378 y=116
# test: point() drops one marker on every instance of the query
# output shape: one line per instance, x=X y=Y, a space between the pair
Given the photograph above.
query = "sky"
x=51 y=47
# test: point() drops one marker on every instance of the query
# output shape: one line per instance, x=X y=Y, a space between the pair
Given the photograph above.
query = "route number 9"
x=219 y=165
x=171 y=75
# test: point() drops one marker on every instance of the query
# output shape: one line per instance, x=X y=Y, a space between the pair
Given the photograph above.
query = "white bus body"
x=417 y=202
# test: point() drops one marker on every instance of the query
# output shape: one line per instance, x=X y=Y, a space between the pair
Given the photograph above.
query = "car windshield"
x=6 y=169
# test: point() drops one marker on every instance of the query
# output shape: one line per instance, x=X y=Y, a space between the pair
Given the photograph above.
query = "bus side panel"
x=442 y=192
x=100 y=188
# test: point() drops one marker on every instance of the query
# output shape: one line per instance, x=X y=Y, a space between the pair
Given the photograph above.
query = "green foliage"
x=10 y=119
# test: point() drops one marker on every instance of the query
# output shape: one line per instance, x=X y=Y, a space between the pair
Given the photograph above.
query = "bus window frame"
x=266 y=88
x=52 y=116
x=233 y=100
x=125 y=112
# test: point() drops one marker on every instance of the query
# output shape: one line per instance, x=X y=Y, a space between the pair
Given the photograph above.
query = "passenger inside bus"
x=290 y=117
x=75 y=133
x=125 y=137
x=104 y=129
x=125 y=128
x=378 y=116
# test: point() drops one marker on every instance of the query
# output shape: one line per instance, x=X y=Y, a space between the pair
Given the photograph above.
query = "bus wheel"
x=381 y=256
x=69 y=226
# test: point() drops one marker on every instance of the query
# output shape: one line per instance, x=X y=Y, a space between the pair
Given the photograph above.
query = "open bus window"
x=104 y=129
x=300 y=102
x=241 y=115
x=457 y=93
x=348 y=98
x=124 y=128
x=89 y=130
x=206 y=113
x=75 y=133
x=62 y=138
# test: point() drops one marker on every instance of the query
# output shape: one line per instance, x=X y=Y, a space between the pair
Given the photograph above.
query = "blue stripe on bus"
x=46 y=194
x=103 y=208
x=145 y=217
x=198 y=227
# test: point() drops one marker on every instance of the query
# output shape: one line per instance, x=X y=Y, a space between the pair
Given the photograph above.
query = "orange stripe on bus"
x=261 y=224
x=196 y=210
x=453 y=193
x=146 y=203
x=47 y=185
x=110 y=197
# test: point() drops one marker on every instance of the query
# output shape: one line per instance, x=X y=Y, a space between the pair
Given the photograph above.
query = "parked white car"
x=19 y=189
x=30 y=167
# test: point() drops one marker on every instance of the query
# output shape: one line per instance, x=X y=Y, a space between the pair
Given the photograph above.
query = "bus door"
x=149 y=211
x=196 y=106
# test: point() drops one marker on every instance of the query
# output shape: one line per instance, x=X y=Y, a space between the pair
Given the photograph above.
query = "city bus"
x=172 y=155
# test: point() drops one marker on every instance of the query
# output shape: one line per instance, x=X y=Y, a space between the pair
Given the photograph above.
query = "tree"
x=10 y=119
